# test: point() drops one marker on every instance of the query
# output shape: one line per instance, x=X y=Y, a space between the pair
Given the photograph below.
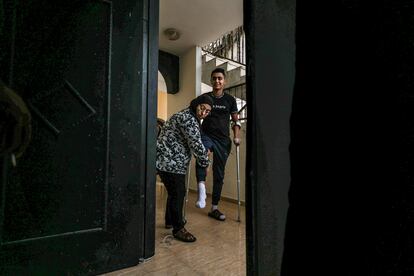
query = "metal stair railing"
x=239 y=93
x=231 y=46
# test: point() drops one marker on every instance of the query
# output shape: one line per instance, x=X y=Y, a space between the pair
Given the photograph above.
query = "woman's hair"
x=202 y=99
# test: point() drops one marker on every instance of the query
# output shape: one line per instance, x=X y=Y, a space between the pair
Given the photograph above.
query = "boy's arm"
x=235 y=126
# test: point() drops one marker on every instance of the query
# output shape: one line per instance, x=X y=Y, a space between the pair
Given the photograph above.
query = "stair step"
x=211 y=65
x=241 y=80
x=207 y=58
x=239 y=92
x=232 y=72
x=205 y=88
x=235 y=73
x=227 y=66
x=242 y=71
x=233 y=76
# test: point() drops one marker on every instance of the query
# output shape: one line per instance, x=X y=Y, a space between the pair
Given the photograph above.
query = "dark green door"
x=75 y=203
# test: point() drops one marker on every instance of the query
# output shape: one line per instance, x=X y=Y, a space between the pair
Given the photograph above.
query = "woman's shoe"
x=184 y=235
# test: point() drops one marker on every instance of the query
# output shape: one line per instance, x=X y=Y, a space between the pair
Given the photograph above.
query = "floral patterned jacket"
x=179 y=137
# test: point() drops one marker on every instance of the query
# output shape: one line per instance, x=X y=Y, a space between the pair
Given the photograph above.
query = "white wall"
x=162 y=106
x=188 y=83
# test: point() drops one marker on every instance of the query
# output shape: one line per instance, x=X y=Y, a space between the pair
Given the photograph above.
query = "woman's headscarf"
x=202 y=99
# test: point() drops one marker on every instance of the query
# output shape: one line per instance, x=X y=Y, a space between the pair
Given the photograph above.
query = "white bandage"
x=237 y=123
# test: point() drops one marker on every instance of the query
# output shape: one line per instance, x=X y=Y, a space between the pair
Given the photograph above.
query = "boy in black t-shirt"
x=216 y=139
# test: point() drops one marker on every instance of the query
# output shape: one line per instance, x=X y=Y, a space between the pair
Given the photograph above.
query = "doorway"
x=190 y=84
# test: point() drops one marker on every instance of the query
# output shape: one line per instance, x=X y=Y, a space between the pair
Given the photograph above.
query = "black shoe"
x=216 y=214
x=184 y=235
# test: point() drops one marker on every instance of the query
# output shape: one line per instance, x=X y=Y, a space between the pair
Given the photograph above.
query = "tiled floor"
x=219 y=249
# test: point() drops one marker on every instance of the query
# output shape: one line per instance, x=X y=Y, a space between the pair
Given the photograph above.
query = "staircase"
x=235 y=72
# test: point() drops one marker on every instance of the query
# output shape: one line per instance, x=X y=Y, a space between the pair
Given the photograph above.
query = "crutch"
x=238 y=181
x=186 y=192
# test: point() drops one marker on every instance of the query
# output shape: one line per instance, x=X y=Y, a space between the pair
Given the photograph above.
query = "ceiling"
x=198 y=21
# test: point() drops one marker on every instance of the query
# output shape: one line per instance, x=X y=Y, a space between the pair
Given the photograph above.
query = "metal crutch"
x=238 y=181
x=186 y=192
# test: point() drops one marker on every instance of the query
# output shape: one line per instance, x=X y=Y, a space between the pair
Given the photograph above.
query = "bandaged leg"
x=201 y=201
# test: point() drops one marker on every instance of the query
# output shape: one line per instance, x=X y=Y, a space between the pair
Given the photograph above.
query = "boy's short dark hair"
x=218 y=70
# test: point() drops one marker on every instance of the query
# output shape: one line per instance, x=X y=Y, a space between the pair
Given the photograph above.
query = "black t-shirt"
x=217 y=124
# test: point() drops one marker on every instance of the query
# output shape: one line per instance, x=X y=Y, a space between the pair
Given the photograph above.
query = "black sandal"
x=216 y=214
x=184 y=235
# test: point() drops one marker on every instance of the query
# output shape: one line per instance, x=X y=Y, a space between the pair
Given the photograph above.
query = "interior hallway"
x=219 y=250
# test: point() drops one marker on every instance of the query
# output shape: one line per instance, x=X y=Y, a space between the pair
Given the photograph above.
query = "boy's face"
x=218 y=81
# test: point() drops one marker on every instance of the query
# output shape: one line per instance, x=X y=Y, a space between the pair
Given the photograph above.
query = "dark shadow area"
x=351 y=148
x=350 y=138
